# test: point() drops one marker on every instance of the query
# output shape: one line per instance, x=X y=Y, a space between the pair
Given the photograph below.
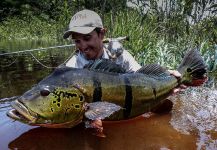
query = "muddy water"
x=192 y=123
x=141 y=133
x=195 y=113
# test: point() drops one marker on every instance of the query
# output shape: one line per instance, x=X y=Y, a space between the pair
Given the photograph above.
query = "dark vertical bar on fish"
x=97 y=93
x=128 y=99
x=155 y=93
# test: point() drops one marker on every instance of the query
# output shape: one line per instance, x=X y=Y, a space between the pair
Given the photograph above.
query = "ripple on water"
x=195 y=112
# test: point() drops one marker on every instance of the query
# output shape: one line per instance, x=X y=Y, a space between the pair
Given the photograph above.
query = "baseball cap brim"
x=81 y=30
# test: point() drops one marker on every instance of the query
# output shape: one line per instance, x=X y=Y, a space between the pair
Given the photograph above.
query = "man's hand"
x=181 y=87
x=175 y=73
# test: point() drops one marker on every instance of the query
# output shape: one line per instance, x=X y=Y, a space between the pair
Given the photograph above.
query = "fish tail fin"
x=193 y=69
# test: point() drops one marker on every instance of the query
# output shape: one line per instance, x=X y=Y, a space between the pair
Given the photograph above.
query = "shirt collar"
x=105 y=54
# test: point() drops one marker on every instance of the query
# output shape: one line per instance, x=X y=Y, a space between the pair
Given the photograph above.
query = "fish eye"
x=44 y=92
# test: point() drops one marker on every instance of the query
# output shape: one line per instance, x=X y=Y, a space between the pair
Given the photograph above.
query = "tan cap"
x=83 y=22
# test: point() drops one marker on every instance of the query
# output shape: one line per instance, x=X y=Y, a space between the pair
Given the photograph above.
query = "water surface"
x=192 y=123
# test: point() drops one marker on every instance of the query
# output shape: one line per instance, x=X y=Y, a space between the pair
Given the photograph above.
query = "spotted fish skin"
x=138 y=92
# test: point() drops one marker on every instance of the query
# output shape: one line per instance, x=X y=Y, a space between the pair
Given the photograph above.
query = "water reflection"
x=42 y=138
x=20 y=71
x=152 y=133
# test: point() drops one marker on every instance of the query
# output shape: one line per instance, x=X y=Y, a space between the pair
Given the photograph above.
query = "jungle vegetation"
x=160 y=31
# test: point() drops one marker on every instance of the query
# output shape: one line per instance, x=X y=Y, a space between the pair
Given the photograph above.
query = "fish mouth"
x=20 y=112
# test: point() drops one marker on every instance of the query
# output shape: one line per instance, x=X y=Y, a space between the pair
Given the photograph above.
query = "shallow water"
x=195 y=113
x=192 y=123
x=141 y=133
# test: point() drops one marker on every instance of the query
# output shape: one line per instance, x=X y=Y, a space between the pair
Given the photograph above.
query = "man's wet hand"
x=175 y=73
x=181 y=87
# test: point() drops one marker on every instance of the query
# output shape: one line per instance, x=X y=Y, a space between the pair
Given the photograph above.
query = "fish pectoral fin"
x=100 y=110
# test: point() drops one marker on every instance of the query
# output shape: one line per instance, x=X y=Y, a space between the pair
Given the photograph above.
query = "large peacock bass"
x=102 y=90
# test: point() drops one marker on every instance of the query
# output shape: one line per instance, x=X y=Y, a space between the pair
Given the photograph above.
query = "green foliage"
x=28 y=28
x=159 y=32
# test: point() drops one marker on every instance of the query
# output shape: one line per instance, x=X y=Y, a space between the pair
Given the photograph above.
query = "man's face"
x=91 y=45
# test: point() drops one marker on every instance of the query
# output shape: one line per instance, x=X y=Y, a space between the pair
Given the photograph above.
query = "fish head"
x=49 y=106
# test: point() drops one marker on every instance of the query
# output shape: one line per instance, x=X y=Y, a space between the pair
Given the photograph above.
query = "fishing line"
x=40 y=62
x=48 y=67
x=37 y=49
x=29 y=51
x=68 y=58
x=4 y=66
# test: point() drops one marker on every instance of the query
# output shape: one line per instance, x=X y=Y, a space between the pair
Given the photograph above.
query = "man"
x=86 y=29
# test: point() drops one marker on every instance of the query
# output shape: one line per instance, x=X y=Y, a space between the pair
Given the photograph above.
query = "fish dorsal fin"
x=153 y=70
x=105 y=65
x=61 y=70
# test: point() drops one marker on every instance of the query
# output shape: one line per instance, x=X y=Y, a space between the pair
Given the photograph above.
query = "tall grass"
x=152 y=39
x=28 y=28
x=152 y=42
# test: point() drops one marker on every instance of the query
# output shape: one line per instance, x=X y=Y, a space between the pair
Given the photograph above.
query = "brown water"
x=141 y=133
x=192 y=124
